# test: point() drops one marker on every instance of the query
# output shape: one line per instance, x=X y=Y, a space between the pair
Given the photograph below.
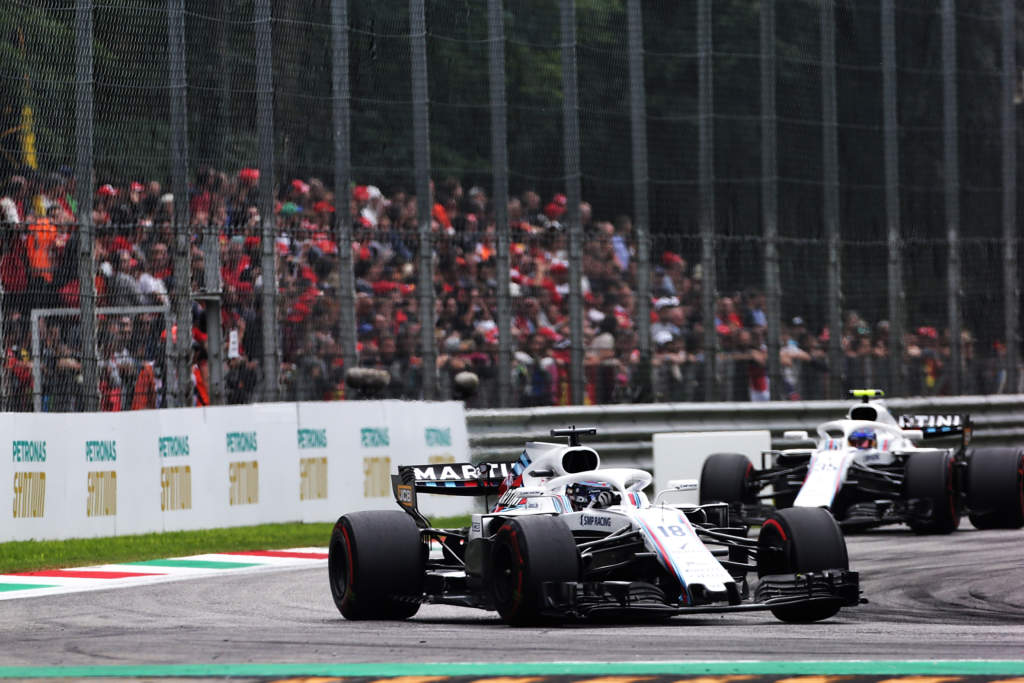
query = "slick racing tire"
x=527 y=553
x=928 y=477
x=725 y=478
x=797 y=540
x=376 y=565
x=995 y=488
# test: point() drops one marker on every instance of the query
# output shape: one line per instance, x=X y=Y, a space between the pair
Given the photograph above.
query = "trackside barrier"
x=624 y=436
x=697 y=446
x=79 y=475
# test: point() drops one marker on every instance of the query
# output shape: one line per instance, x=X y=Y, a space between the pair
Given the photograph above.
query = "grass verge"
x=26 y=556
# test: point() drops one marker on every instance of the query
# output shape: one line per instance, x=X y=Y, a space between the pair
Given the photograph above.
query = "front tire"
x=376 y=565
x=995 y=488
x=929 y=477
x=800 y=540
x=725 y=478
x=527 y=553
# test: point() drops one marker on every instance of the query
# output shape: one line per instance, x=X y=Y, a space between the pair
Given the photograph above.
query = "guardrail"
x=624 y=431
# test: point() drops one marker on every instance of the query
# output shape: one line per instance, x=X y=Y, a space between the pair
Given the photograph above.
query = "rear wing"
x=450 y=479
x=936 y=426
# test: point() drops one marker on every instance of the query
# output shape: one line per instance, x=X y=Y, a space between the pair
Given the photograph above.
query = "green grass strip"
x=26 y=556
x=764 y=668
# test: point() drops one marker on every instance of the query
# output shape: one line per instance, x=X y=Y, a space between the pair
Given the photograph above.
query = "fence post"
x=831 y=196
x=265 y=128
x=641 y=209
x=1011 y=279
x=223 y=26
x=179 y=187
x=83 y=195
x=770 y=197
x=499 y=162
x=424 y=199
x=571 y=151
x=342 y=176
x=951 y=174
x=890 y=129
x=706 y=183
x=211 y=296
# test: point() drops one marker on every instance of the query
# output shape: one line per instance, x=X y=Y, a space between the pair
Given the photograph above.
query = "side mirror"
x=795 y=434
x=683 y=484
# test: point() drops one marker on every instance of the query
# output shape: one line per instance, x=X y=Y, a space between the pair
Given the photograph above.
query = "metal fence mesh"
x=896 y=238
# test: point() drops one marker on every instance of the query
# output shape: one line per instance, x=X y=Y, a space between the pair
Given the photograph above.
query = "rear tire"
x=527 y=552
x=929 y=476
x=995 y=488
x=725 y=478
x=798 y=540
x=376 y=565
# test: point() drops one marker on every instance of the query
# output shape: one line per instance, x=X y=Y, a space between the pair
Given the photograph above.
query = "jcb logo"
x=312 y=478
x=176 y=488
x=102 y=500
x=405 y=495
x=375 y=476
x=244 y=477
x=29 y=494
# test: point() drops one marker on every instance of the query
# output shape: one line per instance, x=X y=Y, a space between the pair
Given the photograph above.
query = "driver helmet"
x=590 y=495
x=863 y=438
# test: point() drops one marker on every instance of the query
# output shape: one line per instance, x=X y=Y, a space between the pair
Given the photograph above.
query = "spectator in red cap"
x=556 y=208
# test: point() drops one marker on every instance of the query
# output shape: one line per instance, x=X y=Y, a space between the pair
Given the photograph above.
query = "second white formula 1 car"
x=566 y=539
x=869 y=469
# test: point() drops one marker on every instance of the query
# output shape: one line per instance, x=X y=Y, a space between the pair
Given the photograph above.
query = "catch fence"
x=575 y=202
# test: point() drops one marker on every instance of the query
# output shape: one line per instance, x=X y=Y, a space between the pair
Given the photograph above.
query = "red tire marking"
x=777 y=526
x=1020 y=481
x=348 y=558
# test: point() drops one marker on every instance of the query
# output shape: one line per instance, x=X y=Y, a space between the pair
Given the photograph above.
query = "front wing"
x=639 y=599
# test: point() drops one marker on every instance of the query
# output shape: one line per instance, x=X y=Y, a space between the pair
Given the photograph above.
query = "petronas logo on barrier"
x=374 y=437
x=312 y=438
x=28 y=451
x=438 y=436
x=241 y=442
x=102 y=500
x=173 y=446
x=100 y=451
x=29 y=494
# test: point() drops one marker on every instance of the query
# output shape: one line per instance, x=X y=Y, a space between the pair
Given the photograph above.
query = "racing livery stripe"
x=668 y=557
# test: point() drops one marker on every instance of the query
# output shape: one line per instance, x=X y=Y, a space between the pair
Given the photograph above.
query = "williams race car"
x=567 y=540
x=868 y=470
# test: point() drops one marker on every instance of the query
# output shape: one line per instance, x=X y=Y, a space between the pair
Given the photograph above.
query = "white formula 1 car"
x=565 y=539
x=869 y=470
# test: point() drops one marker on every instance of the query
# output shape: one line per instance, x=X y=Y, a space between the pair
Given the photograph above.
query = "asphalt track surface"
x=931 y=598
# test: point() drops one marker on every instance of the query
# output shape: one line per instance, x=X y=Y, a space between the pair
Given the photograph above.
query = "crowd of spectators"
x=39 y=268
